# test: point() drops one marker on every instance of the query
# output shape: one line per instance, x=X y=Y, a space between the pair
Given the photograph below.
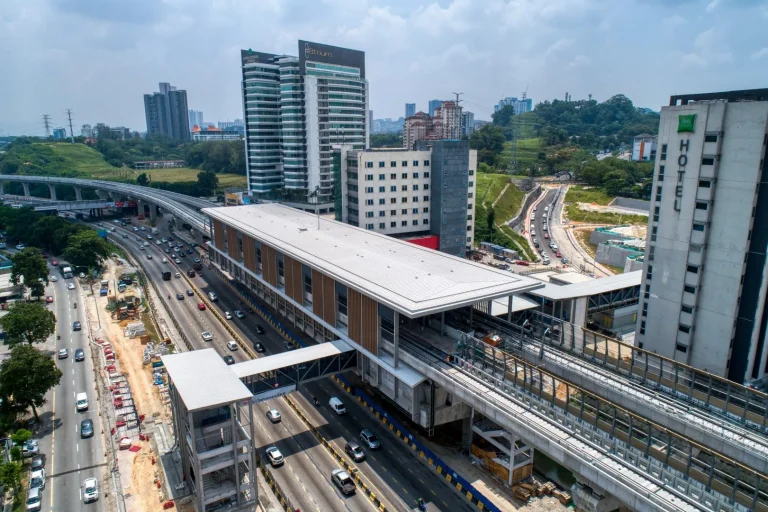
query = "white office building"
x=704 y=290
x=296 y=110
x=644 y=148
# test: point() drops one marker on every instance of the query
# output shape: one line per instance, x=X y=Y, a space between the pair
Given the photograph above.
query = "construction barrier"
x=276 y=490
x=425 y=454
x=353 y=471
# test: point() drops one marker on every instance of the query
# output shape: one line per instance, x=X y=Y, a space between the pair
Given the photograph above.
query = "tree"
x=489 y=142
x=26 y=376
x=30 y=266
x=504 y=116
x=27 y=322
x=10 y=477
x=21 y=436
x=86 y=249
x=142 y=179
x=491 y=220
x=207 y=183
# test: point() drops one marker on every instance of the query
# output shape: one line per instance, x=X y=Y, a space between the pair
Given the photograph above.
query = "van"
x=82 y=401
x=337 y=406
x=213 y=296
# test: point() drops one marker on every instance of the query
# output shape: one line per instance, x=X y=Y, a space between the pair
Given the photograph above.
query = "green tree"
x=21 y=436
x=10 y=477
x=504 y=116
x=489 y=142
x=207 y=183
x=26 y=376
x=142 y=179
x=491 y=220
x=30 y=266
x=86 y=249
x=27 y=322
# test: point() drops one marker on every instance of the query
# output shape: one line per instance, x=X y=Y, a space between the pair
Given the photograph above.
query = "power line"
x=47 y=123
x=71 y=132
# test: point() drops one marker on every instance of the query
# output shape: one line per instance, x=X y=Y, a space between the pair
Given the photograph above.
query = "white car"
x=228 y=315
x=71 y=286
x=239 y=314
x=37 y=479
x=177 y=275
x=53 y=279
x=231 y=345
x=135 y=228
x=178 y=261
x=143 y=228
x=274 y=456
x=207 y=336
x=274 y=415
x=165 y=260
x=20 y=247
x=90 y=490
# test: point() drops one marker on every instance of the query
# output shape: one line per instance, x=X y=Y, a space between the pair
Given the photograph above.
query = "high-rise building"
x=467 y=123
x=86 y=131
x=644 y=148
x=370 y=121
x=521 y=106
x=433 y=104
x=449 y=114
x=167 y=113
x=59 y=133
x=410 y=109
x=296 y=109
x=703 y=297
x=195 y=118
x=427 y=191
x=421 y=127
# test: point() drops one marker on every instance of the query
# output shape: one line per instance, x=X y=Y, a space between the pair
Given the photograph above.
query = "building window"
x=404 y=223
x=426 y=163
x=663 y=151
x=661 y=173
x=426 y=198
x=469 y=206
x=369 y=214
x=705 y=183
x=469 y=228
x=382 y=176
x=469 y=217
x=415 y=163
x=415 y=199
x=382 y=201
x=393 y=188
x=381 y=164
x=693 y=269
x=393 y=212
x=426 y=175
x=369 y=190
x=686 y=309
x=393 y=164
x=369 y=202
x=404 y=175
x=382 y=189
x=416 y=187
x=382 y=225
x=393 y=224
x=280 y=268
x=471 y=172
x=471 y=184
x=393 y=200
x=689 y=289
x=470 y=195
x=642 y=331
x=698 y=227
x=369 y=165
x=369 y=226
x=404 y=188
x=393 y=176
x=415 y=222
x=415 y=211
x=425 y=210
x=404 y=211
x=656 y=210
x=369 y=177
x=708 y=161
x=426 y=186
x=710 y=137
x=404 y=200
x=416 y=175
x=404 y=163
x=382 y=213
x=425 y=221
x=684 y=328
x=679 y=346
x=701 y=205
x=649 y=272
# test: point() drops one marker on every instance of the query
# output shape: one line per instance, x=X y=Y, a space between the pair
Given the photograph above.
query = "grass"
x=527 y=153
x=615 y=270
x=149 y=324
x=577 y=215
x=489 y=186
x=579 y=194
x=509 y=204
x=582 y=235
x=521 y=244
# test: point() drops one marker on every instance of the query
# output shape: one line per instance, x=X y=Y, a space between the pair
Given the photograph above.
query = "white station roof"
x=203 y=380
x=410 y=279
x=283 y=359
x=592 y=287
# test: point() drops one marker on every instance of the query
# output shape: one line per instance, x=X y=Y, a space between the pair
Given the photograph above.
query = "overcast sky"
x=98 y=57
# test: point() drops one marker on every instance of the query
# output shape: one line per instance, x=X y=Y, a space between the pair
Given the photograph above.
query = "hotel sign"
x=309 y=51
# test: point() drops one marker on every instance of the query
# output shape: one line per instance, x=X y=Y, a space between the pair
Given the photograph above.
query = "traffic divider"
x=272 y=483
x=431 y=460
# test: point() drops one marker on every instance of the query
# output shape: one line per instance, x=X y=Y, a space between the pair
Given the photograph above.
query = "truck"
x=166 y=275
x=155 y=231
x=66 y=272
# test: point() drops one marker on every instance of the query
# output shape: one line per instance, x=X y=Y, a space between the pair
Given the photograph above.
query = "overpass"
x=62 y=206
x=184 y=208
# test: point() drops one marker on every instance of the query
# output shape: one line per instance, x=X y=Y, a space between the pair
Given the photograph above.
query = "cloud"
x=674 y=21
x=761 y=53
x=711 y=6
x=579 y=61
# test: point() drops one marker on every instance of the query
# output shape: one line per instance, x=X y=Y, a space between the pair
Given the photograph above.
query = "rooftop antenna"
x=315 y=194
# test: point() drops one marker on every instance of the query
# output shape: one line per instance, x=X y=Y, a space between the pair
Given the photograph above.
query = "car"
x=49 y=299
x=191 y=273
x=188 y=251
x=165 y=260
x=37 y=462
x=551 y=243
x=535 y=241
x=34 y=500
x=213 y=296
x=142 y=248
x=71 y=286
x=564 y=260
x=177 y=275
x=289 y=345
x=90 y=490
x=228 y=315
x=82 y=275
x=55 y=263
x=176 y=249
x=53 y=279
x=354 y=451
x=182 y=255
x=522 y=263
x=207 y=336
x=231 y=345
x=535 y=208
x=546 y=208
x=143 y=228
x=167 y=250
x=190 y=293
x=125 y=235
x=546 y=261
x=544 y=227
x=30 y=448
x=135 y=228
x=554 y=247
x=37 y=479
x=201 y=306
x=145 y=244
x=239 y=314
x=149 y=237
x=343 y=481
x=76 y=325
x=533 y=232
x=179 y=296
x=229 y=360
x=557 y=254
x=197 y=260
x=370 y=440
x=157 y=242
x=86 y=428
x=63 y=353
x=259 y=329
x=164 y=240
x=20 y=247
x=149 y=256
x=258 y=347
x=274 y=456
x=178 y=262
x=79 y=355
x=273 y=415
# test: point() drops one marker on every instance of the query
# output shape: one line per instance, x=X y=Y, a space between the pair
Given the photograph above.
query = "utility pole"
x=457 y=117
x=47 y=123
x=71 y=132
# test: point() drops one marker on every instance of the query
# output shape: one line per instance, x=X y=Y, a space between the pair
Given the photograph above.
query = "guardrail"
x=425 y=454
x=272 y=483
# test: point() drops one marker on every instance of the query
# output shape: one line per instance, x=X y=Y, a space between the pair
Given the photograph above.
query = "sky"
x=98 y=57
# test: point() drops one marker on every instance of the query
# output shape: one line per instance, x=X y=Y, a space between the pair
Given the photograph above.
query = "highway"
x=394 y=473
x=538 y=226
x=70 y=459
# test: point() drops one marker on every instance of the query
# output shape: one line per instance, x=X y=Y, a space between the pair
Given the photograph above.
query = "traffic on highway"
x=540 y=230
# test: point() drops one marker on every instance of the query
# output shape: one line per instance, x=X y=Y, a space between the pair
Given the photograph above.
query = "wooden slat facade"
x=218 y=234
x=269 y=264
x=293 y=279
x=249 y=253
x=234 y=253
x=370 y=325
x=355 y=317
x=329 y=300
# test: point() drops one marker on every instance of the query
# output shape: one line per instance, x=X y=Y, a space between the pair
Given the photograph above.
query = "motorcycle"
x=422 y=505
x=316 y=401
x=75 y=305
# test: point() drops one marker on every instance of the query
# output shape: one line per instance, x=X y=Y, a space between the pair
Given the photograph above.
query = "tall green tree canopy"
x=86 y=249
x=489 y=142
x=207 y=182
x=27 y=322
x=26 y=376
x=30 y=266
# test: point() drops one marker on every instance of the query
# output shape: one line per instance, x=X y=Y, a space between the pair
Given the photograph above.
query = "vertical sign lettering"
x=682 y=161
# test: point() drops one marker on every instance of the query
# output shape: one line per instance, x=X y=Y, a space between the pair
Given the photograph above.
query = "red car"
x=558 y=254
x=201 y=306
x=49 y=299
x=522 y=262
x=54 y=262
x=546 y=236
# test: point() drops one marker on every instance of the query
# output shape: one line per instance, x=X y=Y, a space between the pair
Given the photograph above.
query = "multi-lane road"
x=393 y=473
x=536 y=226
x=70 y=458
